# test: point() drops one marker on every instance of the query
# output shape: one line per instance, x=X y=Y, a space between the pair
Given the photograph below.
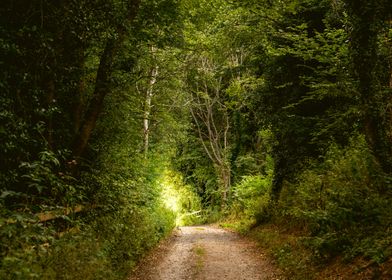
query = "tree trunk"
x=147 y=108
x=50 y=90
x=367 y=25
x=79 y=99
x=225 y=184
x=281 y=172
x=102 y=83
x=102 y=86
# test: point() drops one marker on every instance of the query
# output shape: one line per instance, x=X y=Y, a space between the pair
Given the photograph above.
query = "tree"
x=306 y=98
x=370 y=20
x=219 y=80
x=211 y=117
x=102 y=83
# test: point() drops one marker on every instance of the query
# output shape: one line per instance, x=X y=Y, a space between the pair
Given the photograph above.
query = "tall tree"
x=211 y=117
x=306 y=98
x=104 y=75
x=370 y=20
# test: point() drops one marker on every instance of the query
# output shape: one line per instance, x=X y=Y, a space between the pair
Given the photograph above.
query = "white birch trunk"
x=148 y=106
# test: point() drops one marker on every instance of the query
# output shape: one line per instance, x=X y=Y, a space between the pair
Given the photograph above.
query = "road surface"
x=206 y=253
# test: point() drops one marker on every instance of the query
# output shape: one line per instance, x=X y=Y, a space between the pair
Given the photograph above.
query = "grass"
x=288 y=251
x=200 y=228
x=199 y=252
x=287 y=247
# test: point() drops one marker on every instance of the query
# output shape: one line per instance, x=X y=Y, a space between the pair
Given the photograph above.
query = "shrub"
x=249 y=197
x=103 y=243
x=344 y=202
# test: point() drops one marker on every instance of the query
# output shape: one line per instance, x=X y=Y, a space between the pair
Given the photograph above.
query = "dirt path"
x=205 y=253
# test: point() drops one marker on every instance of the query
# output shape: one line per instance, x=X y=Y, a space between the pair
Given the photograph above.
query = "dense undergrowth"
x=105 y=242
x=334 y=216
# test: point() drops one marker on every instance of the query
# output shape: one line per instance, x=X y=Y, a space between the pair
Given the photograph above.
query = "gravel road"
x=206 y=253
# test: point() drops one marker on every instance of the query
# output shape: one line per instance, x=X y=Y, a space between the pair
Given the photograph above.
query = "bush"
x=103 y=243
x=344 y=202
x=249 y=197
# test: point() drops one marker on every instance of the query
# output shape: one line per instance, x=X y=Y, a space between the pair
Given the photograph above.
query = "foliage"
x=249 y=196
x=368 y=23
x=150 y=114
x=306 y=98
x=54 y=57
x=292 y=257
x=338 y=207
x=248 y=191
x=343 y=204
x=181 y=199
x=219 y=80
x=101 y=249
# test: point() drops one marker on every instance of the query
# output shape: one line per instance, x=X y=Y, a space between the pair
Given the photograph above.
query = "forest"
x=122 y=119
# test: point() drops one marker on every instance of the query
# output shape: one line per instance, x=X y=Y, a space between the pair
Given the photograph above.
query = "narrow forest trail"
x=206 y=253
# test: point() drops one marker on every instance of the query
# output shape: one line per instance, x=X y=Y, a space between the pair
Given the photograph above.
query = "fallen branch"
x=55 y=214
